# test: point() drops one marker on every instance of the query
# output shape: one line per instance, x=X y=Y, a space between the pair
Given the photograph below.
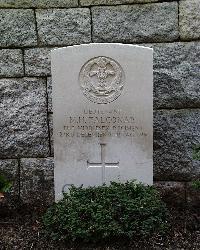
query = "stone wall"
x=30 y=29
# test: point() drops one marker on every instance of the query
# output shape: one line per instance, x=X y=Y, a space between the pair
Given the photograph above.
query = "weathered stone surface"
x=193 y=196
x=36 y=181
x=49 y=93
x=189 y=19
x=51 y=133
x=11 y=63
x=17 y=28
x=37 y=62
x=23 y=120
x=38 y=3
x=172 y=192
x=100 y=110
x=113 y=2
x=176 y=75
x=64 y=26
x=9 y=169
x=135 y=23
x=175 y=134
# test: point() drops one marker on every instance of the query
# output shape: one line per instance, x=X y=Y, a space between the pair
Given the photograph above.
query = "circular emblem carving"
x=102 y=80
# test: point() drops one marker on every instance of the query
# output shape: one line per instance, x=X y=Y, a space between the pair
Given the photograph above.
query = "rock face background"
x=30 y=29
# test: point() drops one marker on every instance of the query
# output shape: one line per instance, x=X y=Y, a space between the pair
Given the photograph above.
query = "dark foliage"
x=5 y=185
x=196 y=152
x=106 y=212
x=196 y=184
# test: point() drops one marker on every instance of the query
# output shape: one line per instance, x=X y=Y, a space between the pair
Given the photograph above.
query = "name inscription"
x=98 y=123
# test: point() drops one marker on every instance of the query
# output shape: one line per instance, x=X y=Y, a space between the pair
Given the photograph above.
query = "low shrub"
x=196 y=184
x=5 y=185
x=196 y=152
x=106 y=212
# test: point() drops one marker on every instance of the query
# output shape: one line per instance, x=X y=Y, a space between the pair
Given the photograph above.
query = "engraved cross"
x=103 y=164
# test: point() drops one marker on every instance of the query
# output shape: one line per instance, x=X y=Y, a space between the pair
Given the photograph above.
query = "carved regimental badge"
x=102 y=80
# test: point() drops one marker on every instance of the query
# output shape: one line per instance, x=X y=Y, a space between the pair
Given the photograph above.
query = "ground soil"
x=21 y=228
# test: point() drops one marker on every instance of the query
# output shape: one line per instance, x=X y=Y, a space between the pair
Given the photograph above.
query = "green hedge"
x=196 y=184
x=105 y=212
x=5 y=185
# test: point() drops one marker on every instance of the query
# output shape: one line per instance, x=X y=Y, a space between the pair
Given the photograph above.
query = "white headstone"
x=102 y=114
